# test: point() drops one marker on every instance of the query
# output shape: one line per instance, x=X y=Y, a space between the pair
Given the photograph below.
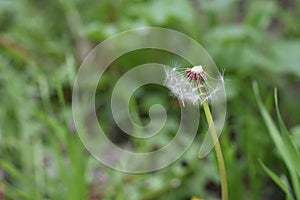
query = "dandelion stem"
x=220 y=159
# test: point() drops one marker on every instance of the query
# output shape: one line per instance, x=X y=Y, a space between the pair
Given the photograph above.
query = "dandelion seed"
x=193 y=85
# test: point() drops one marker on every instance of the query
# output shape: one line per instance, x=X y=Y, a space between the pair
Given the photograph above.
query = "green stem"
x=220 y=159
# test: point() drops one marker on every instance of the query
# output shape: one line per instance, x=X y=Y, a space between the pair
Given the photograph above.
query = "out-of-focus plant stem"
x=218 y=149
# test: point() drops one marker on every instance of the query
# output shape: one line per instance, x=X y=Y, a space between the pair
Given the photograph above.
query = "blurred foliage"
x=42 y=44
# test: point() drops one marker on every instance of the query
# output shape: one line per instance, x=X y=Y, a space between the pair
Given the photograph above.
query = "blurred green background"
x=42 y=44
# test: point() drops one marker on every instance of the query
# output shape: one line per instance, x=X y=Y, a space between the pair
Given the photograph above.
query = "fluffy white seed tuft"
x=186 y=89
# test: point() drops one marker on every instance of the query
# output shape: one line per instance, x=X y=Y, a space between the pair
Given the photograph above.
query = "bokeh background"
x=42 y=44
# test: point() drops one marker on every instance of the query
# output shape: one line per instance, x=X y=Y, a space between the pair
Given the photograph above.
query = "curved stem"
x=220 y=159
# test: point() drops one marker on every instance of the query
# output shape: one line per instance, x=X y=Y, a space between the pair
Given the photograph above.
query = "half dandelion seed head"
x=193 y=85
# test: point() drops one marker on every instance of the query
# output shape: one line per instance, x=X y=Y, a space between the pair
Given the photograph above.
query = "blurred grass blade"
x=274 y=133
x=291 y=150
x=290 y=146
x=285 y=147
x=277 y=180
x=12 y=171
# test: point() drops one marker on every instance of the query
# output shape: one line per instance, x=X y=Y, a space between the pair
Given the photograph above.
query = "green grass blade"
x=277 y=180
x=281 y=145
x=274 y=133
x=291 y=149
x=290 y=146
x=20 y=177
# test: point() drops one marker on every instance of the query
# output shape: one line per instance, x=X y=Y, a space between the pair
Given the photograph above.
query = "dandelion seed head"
x=192 y=86
x=197 y=69
x=196 y=73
